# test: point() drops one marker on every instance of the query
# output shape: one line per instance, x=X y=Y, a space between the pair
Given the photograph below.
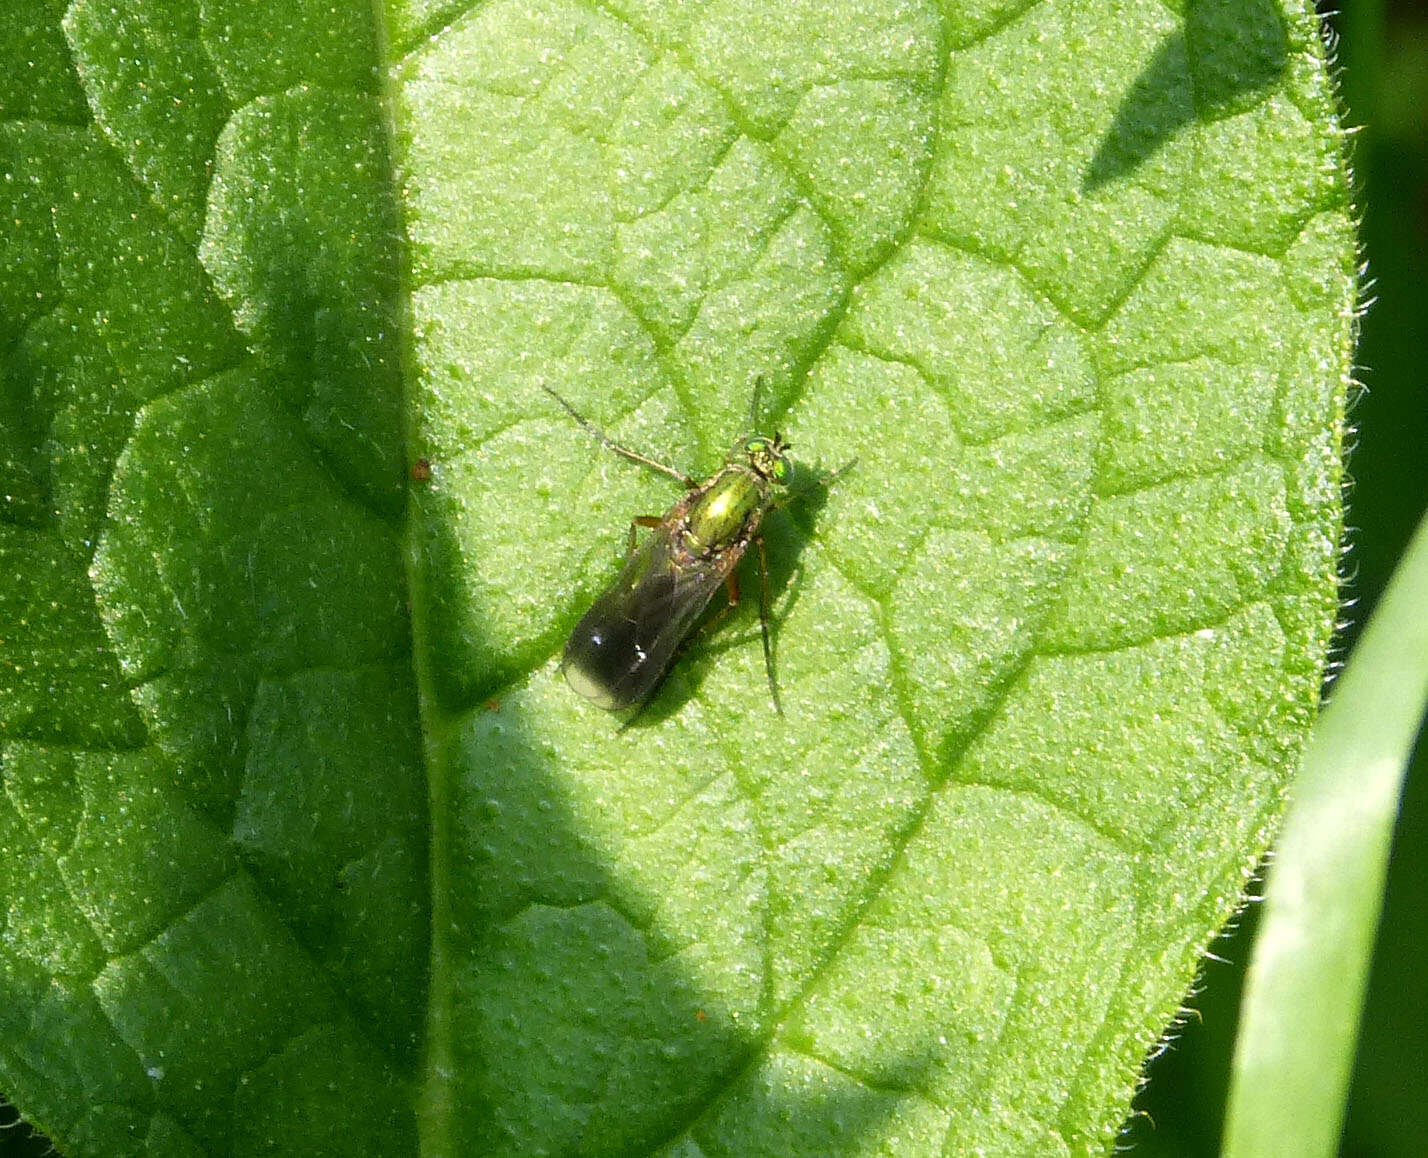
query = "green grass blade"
x=1306 y=982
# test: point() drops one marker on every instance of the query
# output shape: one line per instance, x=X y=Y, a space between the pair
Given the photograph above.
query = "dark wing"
x=623 y=646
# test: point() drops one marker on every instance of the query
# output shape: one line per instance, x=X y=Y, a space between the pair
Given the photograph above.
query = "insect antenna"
x=610 y=444
x=756 y=404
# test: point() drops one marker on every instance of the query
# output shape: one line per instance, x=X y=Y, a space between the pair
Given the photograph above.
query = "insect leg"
x=642 y=521
x=764 y=624
x=623 y=451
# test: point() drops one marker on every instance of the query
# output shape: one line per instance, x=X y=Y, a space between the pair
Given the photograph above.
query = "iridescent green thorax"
x=728 y=508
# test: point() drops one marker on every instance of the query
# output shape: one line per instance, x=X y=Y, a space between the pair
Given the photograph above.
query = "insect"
x=624 y=645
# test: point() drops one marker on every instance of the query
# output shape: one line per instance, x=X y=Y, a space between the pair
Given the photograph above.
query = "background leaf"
x=1311 y=961
x=317 y=854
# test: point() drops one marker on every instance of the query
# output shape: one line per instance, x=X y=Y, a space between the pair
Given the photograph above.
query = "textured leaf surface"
x=306 y=847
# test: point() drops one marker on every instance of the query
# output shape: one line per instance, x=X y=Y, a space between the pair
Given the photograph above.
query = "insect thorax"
x=727 y=511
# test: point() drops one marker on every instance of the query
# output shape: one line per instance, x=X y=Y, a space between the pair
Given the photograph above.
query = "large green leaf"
x=305 y=846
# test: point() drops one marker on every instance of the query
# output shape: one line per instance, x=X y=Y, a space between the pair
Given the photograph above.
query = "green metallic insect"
x=624 y=645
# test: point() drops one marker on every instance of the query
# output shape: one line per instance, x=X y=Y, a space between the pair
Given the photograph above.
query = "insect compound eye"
x=767 y=458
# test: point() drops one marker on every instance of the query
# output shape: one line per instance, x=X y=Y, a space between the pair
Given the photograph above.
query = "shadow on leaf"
x=1226 y=59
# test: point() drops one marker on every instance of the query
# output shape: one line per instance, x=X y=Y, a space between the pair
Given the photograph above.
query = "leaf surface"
x=306 y=845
